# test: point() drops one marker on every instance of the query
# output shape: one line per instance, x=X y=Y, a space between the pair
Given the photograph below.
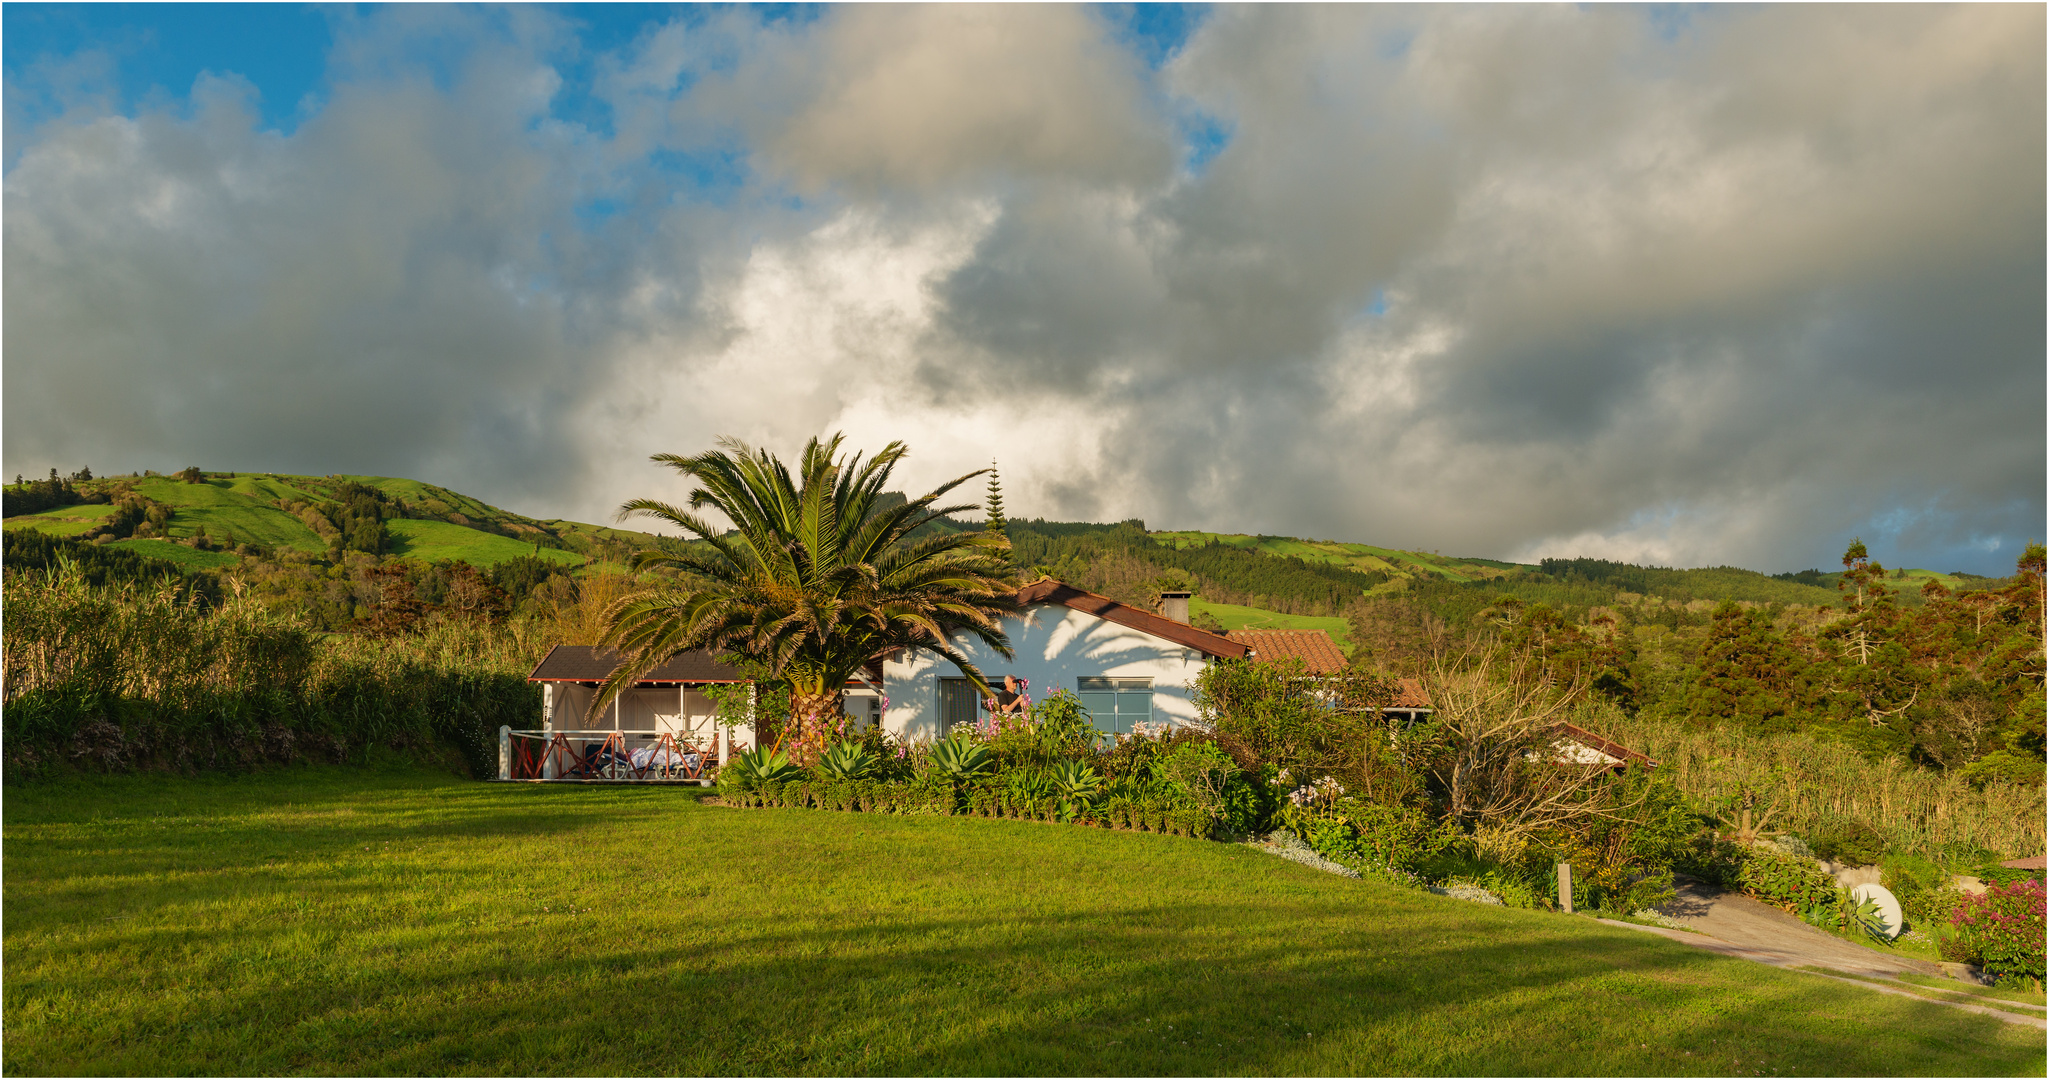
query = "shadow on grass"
x=704 y=941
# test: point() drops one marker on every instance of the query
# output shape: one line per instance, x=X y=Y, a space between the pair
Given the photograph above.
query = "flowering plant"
x=2000 y=930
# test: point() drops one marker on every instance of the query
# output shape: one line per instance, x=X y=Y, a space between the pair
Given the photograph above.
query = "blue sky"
x=1680 y=285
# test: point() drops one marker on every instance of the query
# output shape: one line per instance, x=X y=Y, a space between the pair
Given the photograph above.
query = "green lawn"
x=397 y=921
x=1236 y=617
x=439 y=540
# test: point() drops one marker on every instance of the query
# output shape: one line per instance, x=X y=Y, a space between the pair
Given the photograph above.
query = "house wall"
x=1055 y=645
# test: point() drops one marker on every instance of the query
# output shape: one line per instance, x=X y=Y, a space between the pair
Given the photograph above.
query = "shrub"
x=1792 y=882
x=2000 y=930
x=1848 y=841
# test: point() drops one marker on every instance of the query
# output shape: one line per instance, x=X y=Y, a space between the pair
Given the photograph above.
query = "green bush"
x=1847 y=841
x=1792 y=882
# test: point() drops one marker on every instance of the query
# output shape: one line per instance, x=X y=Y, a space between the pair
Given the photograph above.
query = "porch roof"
x=590 y=664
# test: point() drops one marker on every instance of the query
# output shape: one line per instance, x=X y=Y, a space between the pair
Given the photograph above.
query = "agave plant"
x=750 y=769
x=960 y=759
x=1077 y=781
x=848 y=761
x=1868 y=918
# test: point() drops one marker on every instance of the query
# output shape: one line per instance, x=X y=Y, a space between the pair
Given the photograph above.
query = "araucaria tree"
x=817 y=579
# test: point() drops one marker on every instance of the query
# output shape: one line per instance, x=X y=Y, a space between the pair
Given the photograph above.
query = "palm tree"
x=816 y=580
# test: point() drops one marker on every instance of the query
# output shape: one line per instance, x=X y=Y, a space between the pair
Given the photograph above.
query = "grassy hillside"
x=1239 y=617
x=62 y=520
x=438 y=541
x=359 y=922
x=185 y=557
x=439 y=524
x=1366 y=557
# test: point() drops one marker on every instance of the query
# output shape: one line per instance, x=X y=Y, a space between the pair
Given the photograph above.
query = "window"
x=958 y=703
x=1116 y=704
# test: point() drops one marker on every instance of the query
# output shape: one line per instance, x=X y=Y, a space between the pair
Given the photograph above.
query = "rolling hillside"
x=1240 y=579
x=254 y=509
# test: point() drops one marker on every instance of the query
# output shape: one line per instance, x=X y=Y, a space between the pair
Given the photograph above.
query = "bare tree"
x=1503 y=768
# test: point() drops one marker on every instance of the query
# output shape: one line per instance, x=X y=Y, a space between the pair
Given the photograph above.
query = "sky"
x=1679 y=286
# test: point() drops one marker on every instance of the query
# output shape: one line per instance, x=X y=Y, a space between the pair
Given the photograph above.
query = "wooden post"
x=1565 y=887
x=548 y=731
x=725 y=737
x=504 y=751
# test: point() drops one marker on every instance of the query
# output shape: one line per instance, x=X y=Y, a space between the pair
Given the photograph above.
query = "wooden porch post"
x=548 y=730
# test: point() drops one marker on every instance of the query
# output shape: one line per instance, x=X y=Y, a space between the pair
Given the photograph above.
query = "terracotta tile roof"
x=1409 y=695
x=1049 y=591
x=1622 y=754
x=586 y=663
x=1319 y=654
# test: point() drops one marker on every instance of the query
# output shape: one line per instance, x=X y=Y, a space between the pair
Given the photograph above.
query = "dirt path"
x=1735 y=925
x=1776 y=937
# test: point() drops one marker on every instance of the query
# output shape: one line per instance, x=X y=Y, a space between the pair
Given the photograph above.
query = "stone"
x=1474 y=893
x=1847 y=876
x=1965 y=973
x=1888 y=907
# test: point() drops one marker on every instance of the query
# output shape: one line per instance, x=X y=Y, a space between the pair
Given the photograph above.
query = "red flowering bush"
x=2000 y=930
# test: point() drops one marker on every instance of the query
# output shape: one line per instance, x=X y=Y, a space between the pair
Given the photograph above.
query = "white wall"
x=1054 y=645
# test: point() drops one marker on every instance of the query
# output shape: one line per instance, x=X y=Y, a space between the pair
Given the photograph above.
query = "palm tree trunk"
x=813 y=711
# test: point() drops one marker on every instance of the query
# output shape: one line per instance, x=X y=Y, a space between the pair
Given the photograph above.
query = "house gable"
x=1049 y=591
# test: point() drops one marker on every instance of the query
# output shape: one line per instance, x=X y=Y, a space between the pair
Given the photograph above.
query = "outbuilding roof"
x=1622 y=755
x=1049 y=591
x=1319 y=654
x=590 y=664
x=1409 y=694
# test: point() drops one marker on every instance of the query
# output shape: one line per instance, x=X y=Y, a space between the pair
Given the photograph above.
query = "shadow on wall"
x=1055 y=648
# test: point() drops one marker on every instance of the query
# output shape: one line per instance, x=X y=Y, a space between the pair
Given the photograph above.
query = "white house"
x=1128 y=665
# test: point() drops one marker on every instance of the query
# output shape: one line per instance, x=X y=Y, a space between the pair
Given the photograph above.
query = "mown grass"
x=438 y=540
x=398 y=921
x=1239 y=617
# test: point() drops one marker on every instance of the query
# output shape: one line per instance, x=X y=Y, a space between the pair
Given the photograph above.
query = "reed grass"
x=1813 y=784
x=126 y=677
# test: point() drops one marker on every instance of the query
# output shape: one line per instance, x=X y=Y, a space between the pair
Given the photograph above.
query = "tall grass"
x=1815 y=784
x=136 y=677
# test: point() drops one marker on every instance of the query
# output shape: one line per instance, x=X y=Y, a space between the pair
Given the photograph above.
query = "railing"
x=595 y=756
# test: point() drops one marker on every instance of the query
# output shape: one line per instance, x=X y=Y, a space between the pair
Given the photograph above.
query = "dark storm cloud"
x=1504 y=281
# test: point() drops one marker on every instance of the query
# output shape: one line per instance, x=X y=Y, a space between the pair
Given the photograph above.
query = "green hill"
x=431 y=522
x=436 y=541
x=1240 y=617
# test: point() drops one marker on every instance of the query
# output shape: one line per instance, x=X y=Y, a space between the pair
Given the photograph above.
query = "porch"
x=663 y=729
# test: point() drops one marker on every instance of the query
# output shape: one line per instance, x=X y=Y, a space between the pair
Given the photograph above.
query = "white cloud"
x=1491 y=280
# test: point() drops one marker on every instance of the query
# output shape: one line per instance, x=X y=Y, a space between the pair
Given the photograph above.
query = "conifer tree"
x=993 y=506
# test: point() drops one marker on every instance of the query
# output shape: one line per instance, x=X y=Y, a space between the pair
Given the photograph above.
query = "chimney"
x=1174 y=605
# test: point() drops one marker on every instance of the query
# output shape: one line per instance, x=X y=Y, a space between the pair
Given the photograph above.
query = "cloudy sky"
x=1686 y=287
